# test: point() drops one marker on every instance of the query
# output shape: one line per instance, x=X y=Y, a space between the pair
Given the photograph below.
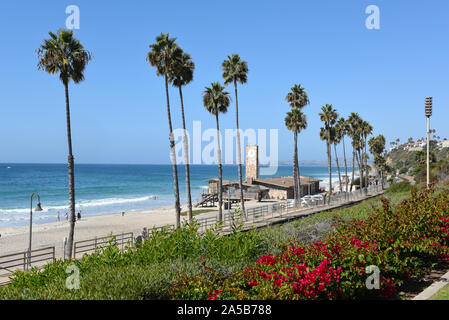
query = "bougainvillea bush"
x=401 y=241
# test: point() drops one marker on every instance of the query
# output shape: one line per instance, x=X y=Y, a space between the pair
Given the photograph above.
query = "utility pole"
x=428 y=110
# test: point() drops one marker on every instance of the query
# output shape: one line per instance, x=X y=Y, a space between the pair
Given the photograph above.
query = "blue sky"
x=119 y=113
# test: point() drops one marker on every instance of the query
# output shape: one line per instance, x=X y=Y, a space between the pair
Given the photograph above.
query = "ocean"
x=105 y=189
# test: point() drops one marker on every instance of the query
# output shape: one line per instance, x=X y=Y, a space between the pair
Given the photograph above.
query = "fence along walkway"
x=122 y=240
x=19 y=261
x=254 y=217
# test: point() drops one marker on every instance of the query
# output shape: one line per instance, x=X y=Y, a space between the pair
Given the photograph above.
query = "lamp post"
x=38 y=208
x=428 y=110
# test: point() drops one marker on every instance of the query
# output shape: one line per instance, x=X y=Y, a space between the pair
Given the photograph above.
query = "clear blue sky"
x=119 y=114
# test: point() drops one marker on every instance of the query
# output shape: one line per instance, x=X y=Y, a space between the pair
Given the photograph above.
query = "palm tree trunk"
x=173 y=158
x=338 y=167
x=329 y=163
x=346 y=164
x=296 y=185
x=366 y=169
x=71 y=172
x=360 y=168
x=186 y=158
x=220 y=172
x=353 y=167
x=239 y=154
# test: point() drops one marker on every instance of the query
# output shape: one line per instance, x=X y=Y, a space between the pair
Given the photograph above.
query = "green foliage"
x=357 y=181
x=145 y=271
x=154 y=268
x=403 y=186
x=403 y=170
x=403 y=241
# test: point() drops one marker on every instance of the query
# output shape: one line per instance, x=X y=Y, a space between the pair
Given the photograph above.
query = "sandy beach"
x=15 y=239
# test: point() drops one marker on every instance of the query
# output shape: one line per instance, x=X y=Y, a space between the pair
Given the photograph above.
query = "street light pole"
x=38 y=208
x=428 y=110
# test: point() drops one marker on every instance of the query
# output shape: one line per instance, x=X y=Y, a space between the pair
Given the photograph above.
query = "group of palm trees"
x=177 y=68
x=63 y=54
x=334 y=131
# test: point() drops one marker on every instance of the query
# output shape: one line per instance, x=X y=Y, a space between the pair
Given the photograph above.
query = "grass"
x=196 y=212
x=443 y=294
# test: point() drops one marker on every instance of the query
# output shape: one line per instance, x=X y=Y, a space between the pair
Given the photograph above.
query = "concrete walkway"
x=433 y=288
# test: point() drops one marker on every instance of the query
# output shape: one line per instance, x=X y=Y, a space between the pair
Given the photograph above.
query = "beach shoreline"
x=15 y=238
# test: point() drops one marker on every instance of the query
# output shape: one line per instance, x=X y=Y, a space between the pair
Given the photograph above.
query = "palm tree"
x=65 y=55
x=181 y=75
x=377 y=147
x=328 y=116
x=162 y=56
x=296 y=121
x=297 y=99
x=366 y=130
x=236 y=70
x=336 y=139
x=217 y=101
x=354 y=133
x=343 y=128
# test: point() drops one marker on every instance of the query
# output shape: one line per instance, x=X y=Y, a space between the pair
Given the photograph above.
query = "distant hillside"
x=413 y=162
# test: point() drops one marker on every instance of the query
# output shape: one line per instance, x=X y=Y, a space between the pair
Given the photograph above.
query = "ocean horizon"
x=110 y=188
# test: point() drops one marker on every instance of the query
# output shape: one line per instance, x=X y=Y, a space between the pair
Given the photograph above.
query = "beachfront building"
x=280 y=188
x=254 y=187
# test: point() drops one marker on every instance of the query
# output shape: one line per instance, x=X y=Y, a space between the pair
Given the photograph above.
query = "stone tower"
x=252 y=163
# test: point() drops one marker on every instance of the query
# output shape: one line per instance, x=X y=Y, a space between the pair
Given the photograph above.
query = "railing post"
x=64 y=248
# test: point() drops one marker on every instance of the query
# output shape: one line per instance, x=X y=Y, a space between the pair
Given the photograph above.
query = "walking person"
x=66 y=216
x=79 y=215
x=58 y=217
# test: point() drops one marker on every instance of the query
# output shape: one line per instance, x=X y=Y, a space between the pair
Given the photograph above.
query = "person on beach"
x=57 y=217
x=79 y=215
x=66 y=216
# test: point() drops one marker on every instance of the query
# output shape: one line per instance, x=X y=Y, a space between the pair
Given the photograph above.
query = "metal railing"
x=85 y=246
x=24 y=261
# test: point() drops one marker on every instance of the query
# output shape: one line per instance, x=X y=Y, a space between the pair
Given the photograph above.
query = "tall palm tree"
x=376 y=148
x=296 y=121
x=343 y=131
x=328 y=116
x=355 y=121
x=297 y=98
x=162 y=56
x=236 y=70
x=336 y=139
x=65 y=55
x=181 y=75
x=366 y=130
x=217 y=101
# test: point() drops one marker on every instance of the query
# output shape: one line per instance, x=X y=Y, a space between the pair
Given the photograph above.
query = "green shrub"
x=399 y=187
x=403 y=170
x=144 y=271
x=403 y=241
